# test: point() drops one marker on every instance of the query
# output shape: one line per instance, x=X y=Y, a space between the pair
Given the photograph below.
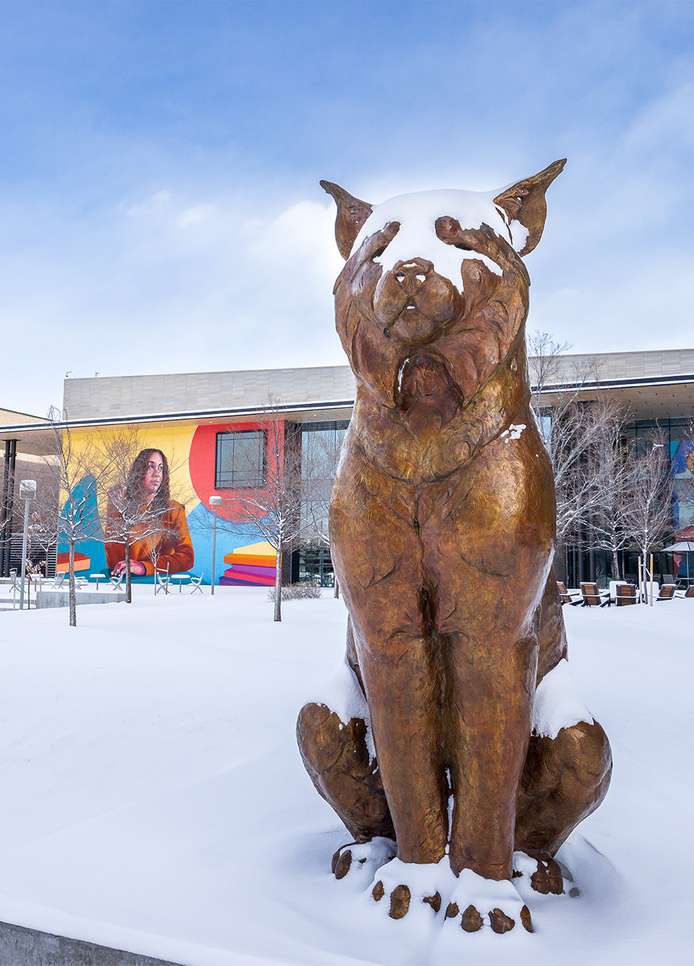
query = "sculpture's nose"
x=412 y=274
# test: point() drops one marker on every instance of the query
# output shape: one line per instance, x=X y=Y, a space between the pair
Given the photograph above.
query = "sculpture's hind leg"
x=338 y=761
x=563 y=781
x=564 y=778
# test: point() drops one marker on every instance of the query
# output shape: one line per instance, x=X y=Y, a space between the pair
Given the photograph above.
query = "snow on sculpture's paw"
x=544 y=876
x=407 y=882
x=479 y=901
x=367 y=856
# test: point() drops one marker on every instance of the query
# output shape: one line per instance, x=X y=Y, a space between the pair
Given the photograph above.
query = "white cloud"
x=195 y=215
x=167 y=283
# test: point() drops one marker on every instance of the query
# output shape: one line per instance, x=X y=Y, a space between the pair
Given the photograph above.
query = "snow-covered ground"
x=153 y=797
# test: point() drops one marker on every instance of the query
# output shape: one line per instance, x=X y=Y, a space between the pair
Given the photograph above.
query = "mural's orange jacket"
x=175 y=551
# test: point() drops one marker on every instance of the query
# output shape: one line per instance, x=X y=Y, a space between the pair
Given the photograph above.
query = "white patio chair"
x=161 y=580
x=196 y=583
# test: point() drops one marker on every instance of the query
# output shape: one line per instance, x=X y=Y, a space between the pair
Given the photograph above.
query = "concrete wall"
x=195 y=391
x=606 y=366
x=60 y=598
x=28 y=947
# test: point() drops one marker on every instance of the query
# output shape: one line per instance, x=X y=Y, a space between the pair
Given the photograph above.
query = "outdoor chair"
x=565 y=597
x=117 y=580
x=196 y=583
x=592 y=596
x=161 y=581
x=59 y=580
x=667 y=592
x=626 y=594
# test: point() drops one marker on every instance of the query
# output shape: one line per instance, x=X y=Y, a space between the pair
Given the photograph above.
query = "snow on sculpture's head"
x=431 y=269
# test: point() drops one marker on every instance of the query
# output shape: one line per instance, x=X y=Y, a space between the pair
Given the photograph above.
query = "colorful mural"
x=163 y=505
x=682 y=457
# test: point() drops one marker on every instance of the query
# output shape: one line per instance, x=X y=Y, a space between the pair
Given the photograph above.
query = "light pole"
x=27 y=492
x=214 y=501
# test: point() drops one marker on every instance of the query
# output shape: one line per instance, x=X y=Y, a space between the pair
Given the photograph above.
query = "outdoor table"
x=181 y=579
x=97 y=578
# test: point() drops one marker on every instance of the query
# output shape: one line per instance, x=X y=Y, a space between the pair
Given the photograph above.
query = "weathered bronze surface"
x=443 y=527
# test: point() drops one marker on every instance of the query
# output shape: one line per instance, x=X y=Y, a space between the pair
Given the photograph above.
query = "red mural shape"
x=202 y=465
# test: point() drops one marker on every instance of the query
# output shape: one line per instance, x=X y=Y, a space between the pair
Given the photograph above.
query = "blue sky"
x=159 y=199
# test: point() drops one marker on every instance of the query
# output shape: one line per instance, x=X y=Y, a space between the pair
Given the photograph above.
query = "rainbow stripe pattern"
x=251 y=566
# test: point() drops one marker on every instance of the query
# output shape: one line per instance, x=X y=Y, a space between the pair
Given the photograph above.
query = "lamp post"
x=214 y=501
x=27 y=492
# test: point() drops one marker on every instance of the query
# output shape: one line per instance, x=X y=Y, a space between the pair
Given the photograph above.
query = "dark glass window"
x=320 y=448
x=241 y=459
x=320 y=452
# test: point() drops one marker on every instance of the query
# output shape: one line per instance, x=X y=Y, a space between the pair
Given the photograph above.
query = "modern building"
x=220 y=435
x=19 y=463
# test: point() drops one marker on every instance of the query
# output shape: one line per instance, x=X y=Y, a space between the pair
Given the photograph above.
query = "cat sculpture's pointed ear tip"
x=334 y=190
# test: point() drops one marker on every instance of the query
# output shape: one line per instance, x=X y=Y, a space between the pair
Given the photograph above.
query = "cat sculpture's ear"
x=351 y=215
x=525 y=202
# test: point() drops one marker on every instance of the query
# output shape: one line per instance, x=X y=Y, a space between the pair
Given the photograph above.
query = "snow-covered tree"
x=75 y=473
x=648 y=513
x=575 y=431
x=278 y=507
x=607 y=526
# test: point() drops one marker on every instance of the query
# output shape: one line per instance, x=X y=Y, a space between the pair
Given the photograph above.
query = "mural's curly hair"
x=133 y=485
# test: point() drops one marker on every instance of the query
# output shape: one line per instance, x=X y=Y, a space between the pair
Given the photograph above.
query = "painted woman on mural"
x=156 y=524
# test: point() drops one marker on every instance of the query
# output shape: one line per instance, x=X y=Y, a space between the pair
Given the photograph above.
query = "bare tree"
x=276 y=507
x=608 y=524
x=648 y=516
x=75 y=472
x=545 y=364
x=573 y=430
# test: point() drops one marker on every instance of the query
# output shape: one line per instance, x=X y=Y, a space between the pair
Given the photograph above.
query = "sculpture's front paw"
x=476 y=902
x=407 y=882
x=366 y=856
x=544 y=875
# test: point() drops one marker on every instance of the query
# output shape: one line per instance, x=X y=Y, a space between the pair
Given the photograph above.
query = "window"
x=546 y=425
x=320 y=452
x=241 y=460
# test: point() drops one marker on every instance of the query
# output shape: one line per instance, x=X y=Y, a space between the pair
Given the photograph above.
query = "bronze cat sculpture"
x=442 y=527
